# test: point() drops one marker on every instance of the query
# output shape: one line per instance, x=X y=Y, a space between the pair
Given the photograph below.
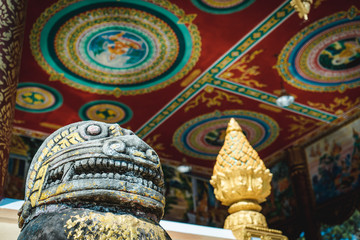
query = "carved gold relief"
x=11 y=38
x=242 y=181
x=211 y=100
x=246 y=72
x=302 y=7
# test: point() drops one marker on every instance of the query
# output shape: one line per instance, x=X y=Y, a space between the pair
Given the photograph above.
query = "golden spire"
x=242 y=181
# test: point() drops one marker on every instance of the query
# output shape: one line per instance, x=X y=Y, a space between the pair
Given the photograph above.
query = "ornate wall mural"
x=334 y=162
x=324 y=56
x=203 y=136
x=106 y=111
x=37 y=98
x=281 y=202
x=116 y=47
x=222 y=6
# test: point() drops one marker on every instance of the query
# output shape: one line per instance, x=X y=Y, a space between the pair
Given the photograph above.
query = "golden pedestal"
x=242 y=181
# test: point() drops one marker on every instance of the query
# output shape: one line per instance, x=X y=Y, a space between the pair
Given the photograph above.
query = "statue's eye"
x=93 y=130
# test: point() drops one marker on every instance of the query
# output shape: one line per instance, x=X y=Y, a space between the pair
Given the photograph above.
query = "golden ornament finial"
x=242 y=181
x=302 y=7
x=237 y=151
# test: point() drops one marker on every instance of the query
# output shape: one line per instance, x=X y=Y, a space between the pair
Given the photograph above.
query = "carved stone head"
x=97 y=166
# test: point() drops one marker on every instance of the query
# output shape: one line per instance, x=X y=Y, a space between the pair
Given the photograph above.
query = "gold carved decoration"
x=301 y=126
x=338 y=102
x=11 y=39
x=246 y=72
x=212 y=101
x=302 y=7
x=242 y=181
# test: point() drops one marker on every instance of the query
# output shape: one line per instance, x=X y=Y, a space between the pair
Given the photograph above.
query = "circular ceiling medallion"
x=222 y=6
x=204 y=136
x=115 y=47
x=324 y=56
x=106 y=111
x=37 y=98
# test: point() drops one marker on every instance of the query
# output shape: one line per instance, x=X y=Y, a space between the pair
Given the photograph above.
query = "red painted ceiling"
x=245 y=52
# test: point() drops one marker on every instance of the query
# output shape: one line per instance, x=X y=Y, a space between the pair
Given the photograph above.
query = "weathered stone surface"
x=88 y=224
x=101 y=175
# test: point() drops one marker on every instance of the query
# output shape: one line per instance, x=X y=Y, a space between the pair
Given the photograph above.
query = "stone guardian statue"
x=92 y=180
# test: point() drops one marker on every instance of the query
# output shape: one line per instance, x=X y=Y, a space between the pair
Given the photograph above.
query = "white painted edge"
x=9 y=203
x=196 y=229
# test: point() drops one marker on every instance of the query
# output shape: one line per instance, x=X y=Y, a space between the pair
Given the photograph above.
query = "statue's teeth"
x=89 y=175
x=84 y=164
x=98 y=162
x=111 y=175
x=117 y=176
x=77 y=165
x=83 y=175
x=92 y=163
x=105 y=163
x=130 y=166
x=61 y=169
x=75 y=177
x=51 y=173
x=104 y=175
x=123 y=164
x=152 y=173
x=111 y=163
x=117 y=164
x=56 y=172
x=136 y=168
x=97 y=175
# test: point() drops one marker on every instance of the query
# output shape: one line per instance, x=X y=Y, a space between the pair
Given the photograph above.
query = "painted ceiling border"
x=209 y=76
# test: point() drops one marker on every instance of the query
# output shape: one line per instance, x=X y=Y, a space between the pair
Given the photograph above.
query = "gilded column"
x=12 y=21
x=303 y=192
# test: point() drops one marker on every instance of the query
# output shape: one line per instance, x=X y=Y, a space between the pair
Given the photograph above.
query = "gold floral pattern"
x=212 y=100
x=11 y=37
x=337 y=103
x=301 y=126
x=246 y=72
x=158 y=147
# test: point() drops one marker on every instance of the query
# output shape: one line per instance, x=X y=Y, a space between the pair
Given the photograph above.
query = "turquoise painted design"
x=202 y=137
x=113 y=47
x=324 y=56
x=37 y=98
x=117 y=49
x=222 y=7
x=271 y=100
x=106 y=111
x=211 y=76
x=341 y=55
